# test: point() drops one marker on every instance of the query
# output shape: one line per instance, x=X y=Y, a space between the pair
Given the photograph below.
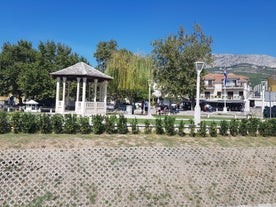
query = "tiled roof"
x=81 y=69
x=218 y=78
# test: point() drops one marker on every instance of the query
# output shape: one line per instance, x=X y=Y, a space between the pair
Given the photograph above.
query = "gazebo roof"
x=81 y=69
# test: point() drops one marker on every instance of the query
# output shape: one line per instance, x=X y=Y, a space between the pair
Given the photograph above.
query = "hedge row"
x=20 y=122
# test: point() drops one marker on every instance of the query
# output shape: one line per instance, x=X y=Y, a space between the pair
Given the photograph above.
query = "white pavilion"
x=93 y=83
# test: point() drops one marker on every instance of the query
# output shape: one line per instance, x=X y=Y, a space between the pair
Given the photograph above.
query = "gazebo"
x=92 y=101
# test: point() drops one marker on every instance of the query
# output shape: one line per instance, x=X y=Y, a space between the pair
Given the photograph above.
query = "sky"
x=236 y=26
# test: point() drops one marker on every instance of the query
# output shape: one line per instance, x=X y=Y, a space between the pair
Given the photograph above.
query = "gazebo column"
x=63 y=95
x=78 y=95
x=57 y=94
x=95 y=95
x=83 y=105
x=105 y=95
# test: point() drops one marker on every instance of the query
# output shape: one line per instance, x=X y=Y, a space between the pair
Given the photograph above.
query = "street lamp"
x=150 y=82
x=199 y=67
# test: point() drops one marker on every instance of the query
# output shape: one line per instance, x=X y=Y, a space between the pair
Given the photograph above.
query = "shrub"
x=122 y=125
x=192 y=126
x=202 y=129
x=223 y=130
x=169 y=125
x=85 y=127
x=265 y=128
x=30 y=123
x=71 y=125
x=110 y=124
x=159 y=126
x=273 y=127
x=243 y=127
x=17 y=122
x=57 y=123
x=234 y=127
x=98 y=126
x=213 y=129
x=253 y=124
x=134 y=127
x=5 y=126
x=45 y=124
x=148 y=128
x=181 y=129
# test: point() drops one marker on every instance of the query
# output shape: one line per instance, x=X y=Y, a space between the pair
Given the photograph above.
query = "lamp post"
x=199 y=67
x=150 y=82
x=269 y=88
x=263 y=98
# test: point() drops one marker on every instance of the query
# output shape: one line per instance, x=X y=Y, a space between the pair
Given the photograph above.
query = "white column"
x=197 y=106
x=78 y=95
x=63 y=94
x=83 y=94
x=57 y=93
x=105 y=92
x=95 y=95
x=263 y=99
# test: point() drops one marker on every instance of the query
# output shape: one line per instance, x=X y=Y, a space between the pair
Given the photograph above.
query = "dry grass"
x=28 y=141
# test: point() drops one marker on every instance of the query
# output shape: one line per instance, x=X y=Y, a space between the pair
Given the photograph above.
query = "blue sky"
x=236 y=26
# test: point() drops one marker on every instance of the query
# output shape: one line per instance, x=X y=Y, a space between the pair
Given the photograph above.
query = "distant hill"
x=256 y=67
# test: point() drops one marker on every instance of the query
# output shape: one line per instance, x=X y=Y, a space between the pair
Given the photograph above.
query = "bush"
x=265 y=128
x=45 y=124
x=17 y=122
x=30 y=123
x=213 y=129
x=85 y=127
x=122 y=125
x=253 y=125
x=192 y=126
x=57 y=123
x=71 y=125
x=148 y=128
x=98 y=126
x=159 y=126
x=223 y=130
x=134 y=127
x=181 y=129
x=202 y=129
x=169 y=125
x=110 y=124
x=243 y=127
x=234 y=127
x=5 y=126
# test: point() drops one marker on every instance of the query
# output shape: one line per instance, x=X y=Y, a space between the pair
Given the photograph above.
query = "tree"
x=104 y=52
x=131 y=74
x=174 y=58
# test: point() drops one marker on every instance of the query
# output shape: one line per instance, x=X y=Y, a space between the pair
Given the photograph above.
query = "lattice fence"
x=138 y=176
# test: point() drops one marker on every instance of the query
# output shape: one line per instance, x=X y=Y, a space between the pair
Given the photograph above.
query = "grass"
x=26 y=141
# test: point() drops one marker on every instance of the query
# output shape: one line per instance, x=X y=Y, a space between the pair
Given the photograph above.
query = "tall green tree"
x=174 y=58
x=104 y=53
x=131 y=74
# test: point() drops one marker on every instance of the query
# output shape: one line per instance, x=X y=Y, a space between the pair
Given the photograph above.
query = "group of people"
x=145 y=107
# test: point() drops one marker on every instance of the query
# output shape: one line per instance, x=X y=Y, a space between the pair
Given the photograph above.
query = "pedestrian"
x=146 y=107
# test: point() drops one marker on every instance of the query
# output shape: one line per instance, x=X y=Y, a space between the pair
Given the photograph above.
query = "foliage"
x=181 y=129
x=134 y=127
x=5 y=126
x=57 y=121
x=159 y=126
x=213 y=129
x=85 y=127
x=71 y=125
x=98 y=125
x=223 y=130
x=45 y=124
x=174 y=59
x=202 y=129
x=110 y=124
x=104 y=52
x=243 y=127
x=17 y=122
x=169 y=125
x=192 y=126
x=265 y=128
x=148 y=128
x=30 y=123
x=122 y=125
x=234 y=127
x=253 y=125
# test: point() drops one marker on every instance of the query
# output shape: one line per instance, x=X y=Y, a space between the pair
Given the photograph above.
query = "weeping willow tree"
x=131 y=74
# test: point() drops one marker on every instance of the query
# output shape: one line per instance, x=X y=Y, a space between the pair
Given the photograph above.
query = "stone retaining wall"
x=138 y=176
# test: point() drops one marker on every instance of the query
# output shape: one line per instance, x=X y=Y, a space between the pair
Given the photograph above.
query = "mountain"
x=256 y=67
x=228 y=60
